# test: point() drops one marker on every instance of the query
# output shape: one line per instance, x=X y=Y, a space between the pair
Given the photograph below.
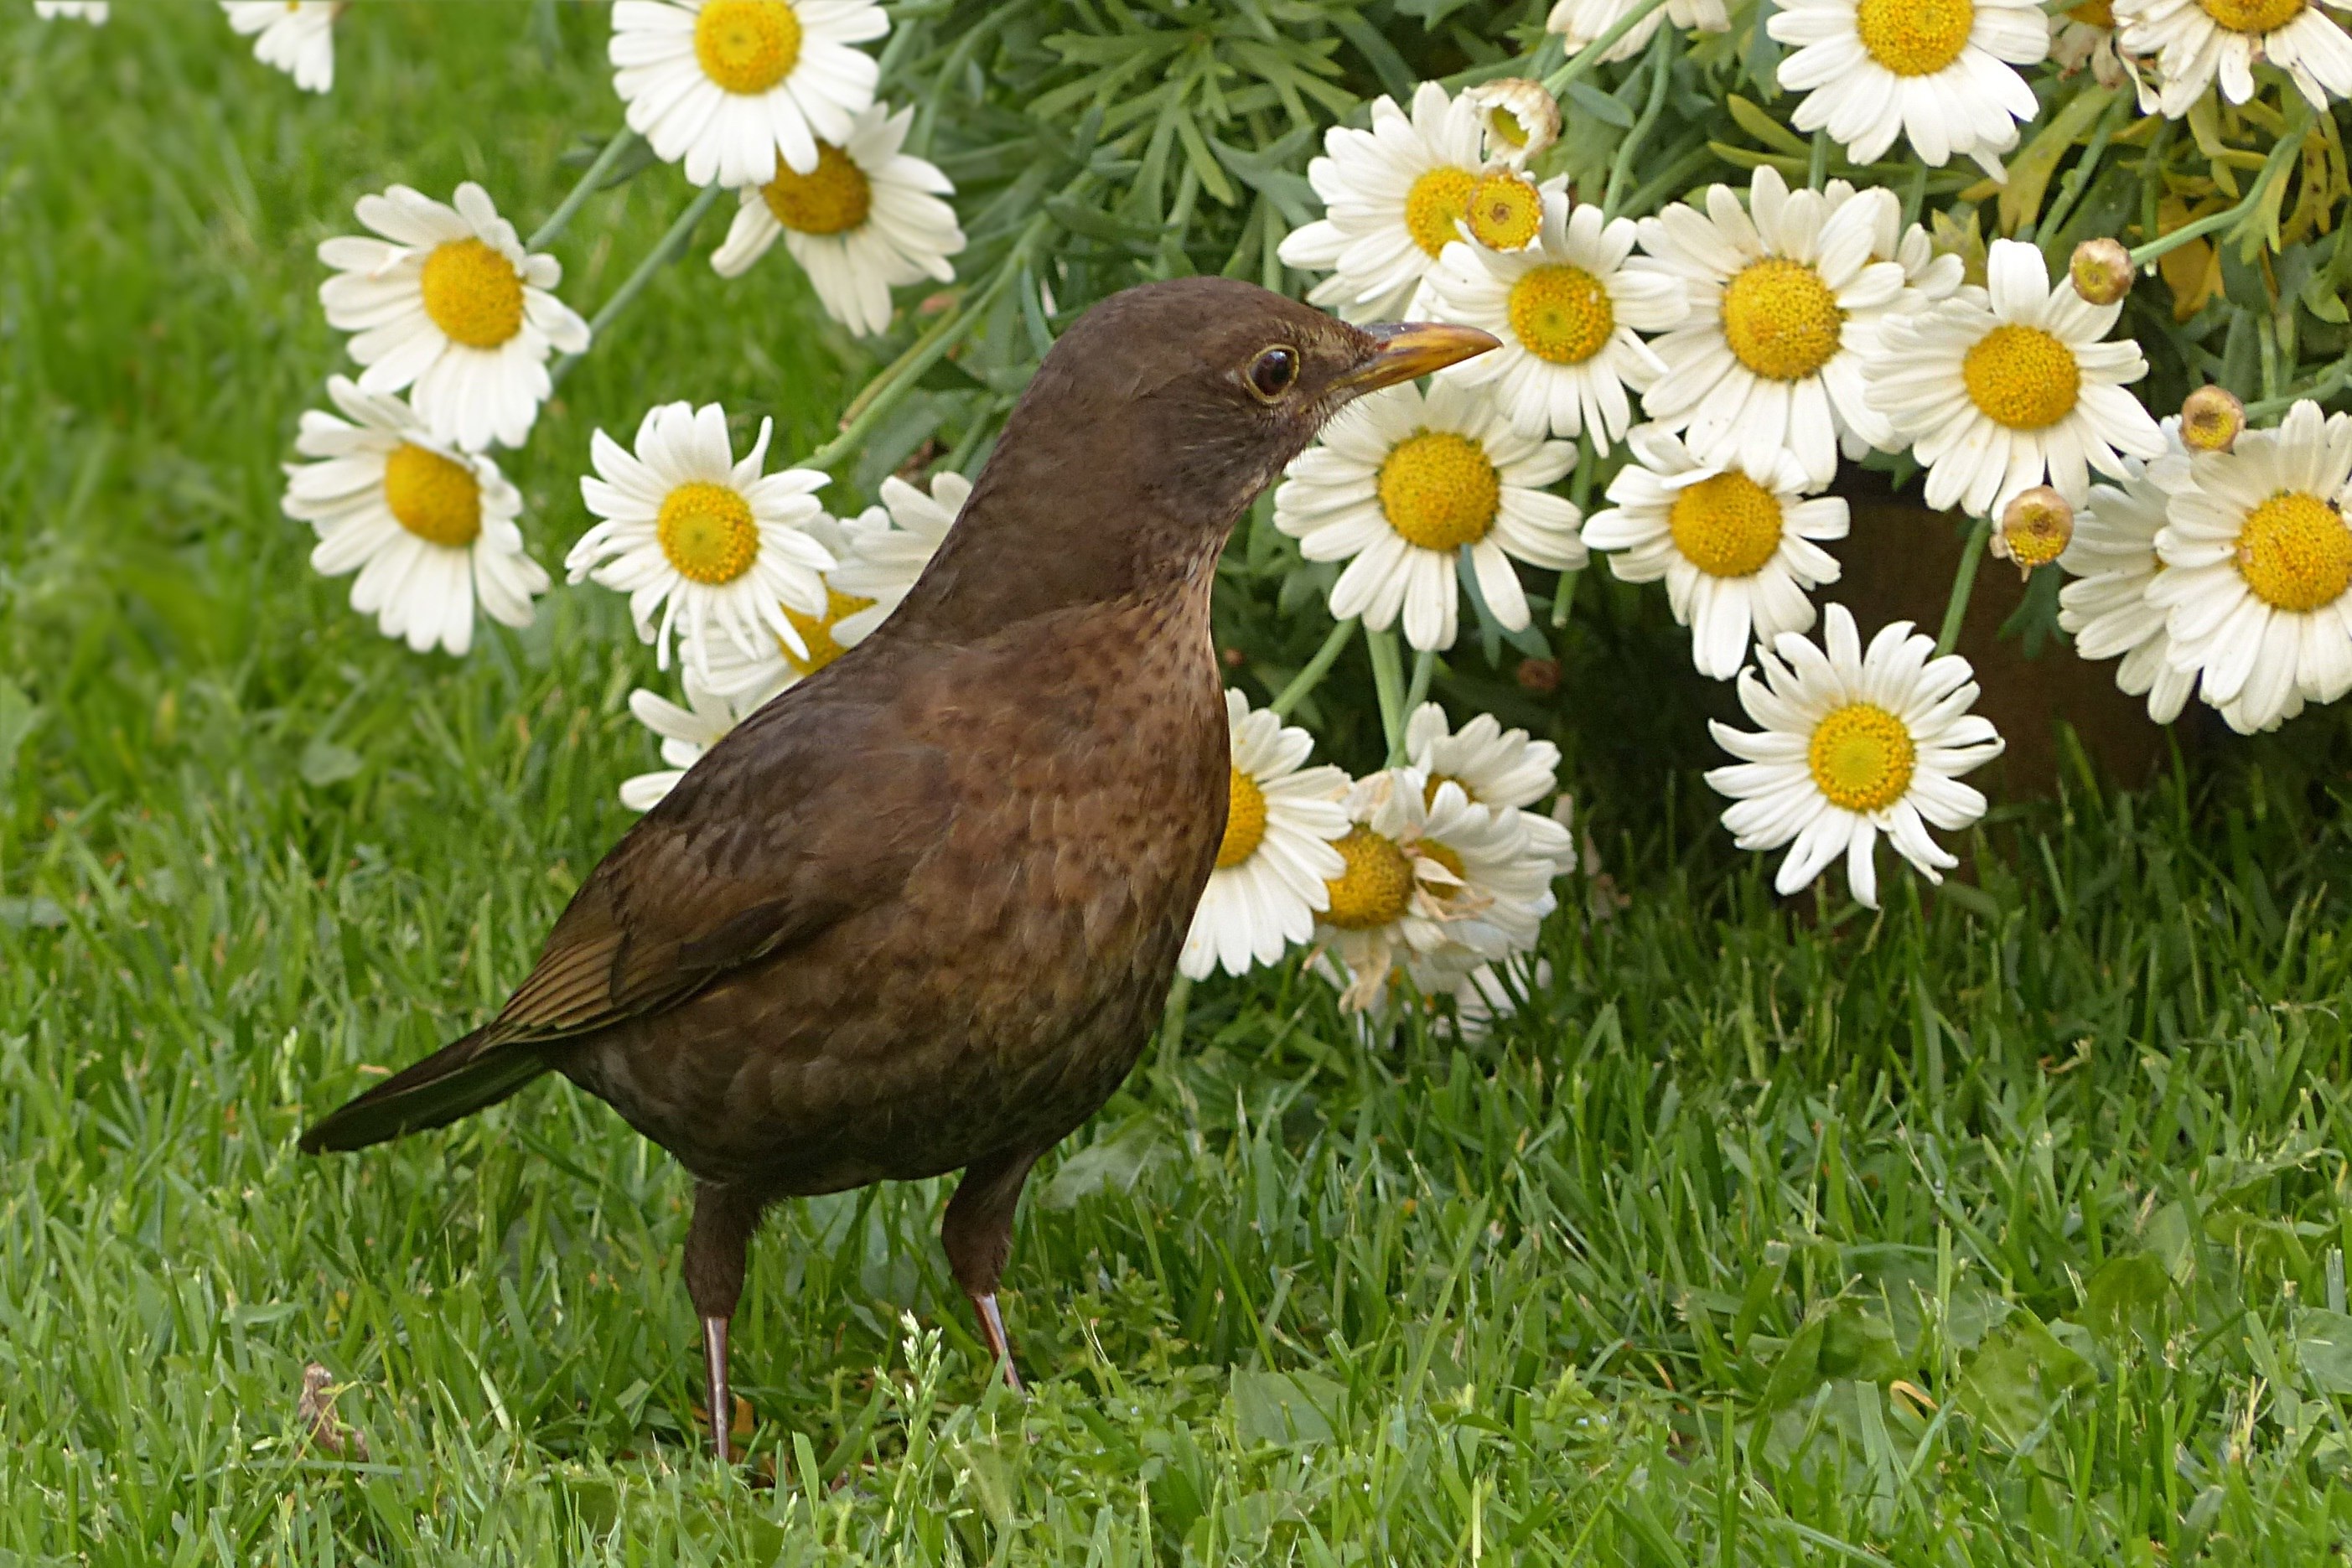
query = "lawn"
x=2008 y=1226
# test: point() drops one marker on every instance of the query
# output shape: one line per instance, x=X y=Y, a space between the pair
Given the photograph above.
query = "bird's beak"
x=1409 y=348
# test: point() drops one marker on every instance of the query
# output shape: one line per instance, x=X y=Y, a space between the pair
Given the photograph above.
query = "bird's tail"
x=455 y=1081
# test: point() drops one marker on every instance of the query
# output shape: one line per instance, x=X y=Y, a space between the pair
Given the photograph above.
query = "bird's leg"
x=716 y=1243
x=978 y=1236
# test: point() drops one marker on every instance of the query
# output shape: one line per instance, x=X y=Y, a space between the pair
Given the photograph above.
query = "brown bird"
x=920 y=912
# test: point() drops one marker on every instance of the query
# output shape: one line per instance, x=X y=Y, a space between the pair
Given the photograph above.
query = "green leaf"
x=2323 y=1348
x=2020 y=1378
x=1751 y=118
x=324 y=763
x=2127 y=1295
x=1115 y=1163
x=1289 y=1409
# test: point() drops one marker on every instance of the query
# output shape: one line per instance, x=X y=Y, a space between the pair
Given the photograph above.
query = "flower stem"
x=635 y=284
x=2323 y=386
x=1585 y=59
x=2283 y=154
x=1662 y=66
x=1307 y=679
x=1963 y=583
x=1387 y=680
x=1424 y=665
x=1817 y=171
x=2078 y=178
x=588 y=184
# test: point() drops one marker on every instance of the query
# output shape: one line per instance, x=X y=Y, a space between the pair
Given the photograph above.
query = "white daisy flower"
x=1392 y=197
x=888 y=547
x=1737 y=543
x=2258 y=561
x=725 y=85
x=1400 y=484
x=1568 y=311
x=2112 y=559
x=448 y=302
x=297 y=37
x=1854 y=744
x=1495 y=768
x=1275 y=858
x=686 y=733
x=429 y=528
x=90 y=11
x=1786 y=298
x=687 y=530
x=1428 y=874
x=1578 y=21
x=1935 y=71
x=867 y=219
x=1994 y=389
x=2194 y=41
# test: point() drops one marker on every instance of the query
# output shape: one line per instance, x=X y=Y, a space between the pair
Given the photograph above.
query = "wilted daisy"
x=2084 y=35
x=889 y=545
x=1737 y=543
x=708 y=542
x=1400 y=484
x=1426 y=873
x=1568 y=311
x=448 y=302
x=1785 y=299
x=2258 y=560
x=1994 y=389
x=91 y=11
x=1495 y=768
x=725 y=85
x=867 y=219
x=297 y=37
x=1936 y=72
x=1518 y=118
x=1276 y=855
x=2195 y=41
x=685 y=733
x=430 y=527
x=1391 y=197
x=1578 y=21
x=2112 y=559
x=1854 y=744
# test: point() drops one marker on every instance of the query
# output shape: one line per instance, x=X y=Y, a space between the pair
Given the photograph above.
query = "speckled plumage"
x=920 y=912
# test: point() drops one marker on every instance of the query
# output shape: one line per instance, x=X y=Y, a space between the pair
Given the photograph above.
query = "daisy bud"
x=2034 y=529
x=1505 y=212
x=2101 y=270
x=1520 y=120
x=2211 y=419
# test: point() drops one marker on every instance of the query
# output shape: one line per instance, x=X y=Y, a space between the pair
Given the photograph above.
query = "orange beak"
x=1409 y=348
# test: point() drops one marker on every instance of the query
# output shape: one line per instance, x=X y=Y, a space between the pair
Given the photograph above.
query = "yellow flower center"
x=473 y=293
x=2023 y=377
x=1377 y=887
x=1780 y=319
x=1244 y=820
x=1505 y=211
x=1914 y=37
x=1727 y=526
x=1560 y=314
x=830 y=198
x=1438 y=490
x=707 y=533
x=1435 y=204
x=2252 y=15
x=1862 y=756
x=822 y=648
x=436 y=499
x=747 y=46
x=2092 y=12
x=2295 y=552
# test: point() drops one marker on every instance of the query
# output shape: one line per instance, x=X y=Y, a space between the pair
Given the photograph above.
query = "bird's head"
x=1151 y=425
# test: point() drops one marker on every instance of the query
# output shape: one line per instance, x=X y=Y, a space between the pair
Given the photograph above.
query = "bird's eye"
x=1273 y=372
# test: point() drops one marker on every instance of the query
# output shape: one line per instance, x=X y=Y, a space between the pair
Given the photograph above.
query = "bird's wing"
x=808 y=814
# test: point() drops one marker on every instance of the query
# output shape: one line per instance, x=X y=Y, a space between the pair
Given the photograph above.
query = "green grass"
x=2005 y=1229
